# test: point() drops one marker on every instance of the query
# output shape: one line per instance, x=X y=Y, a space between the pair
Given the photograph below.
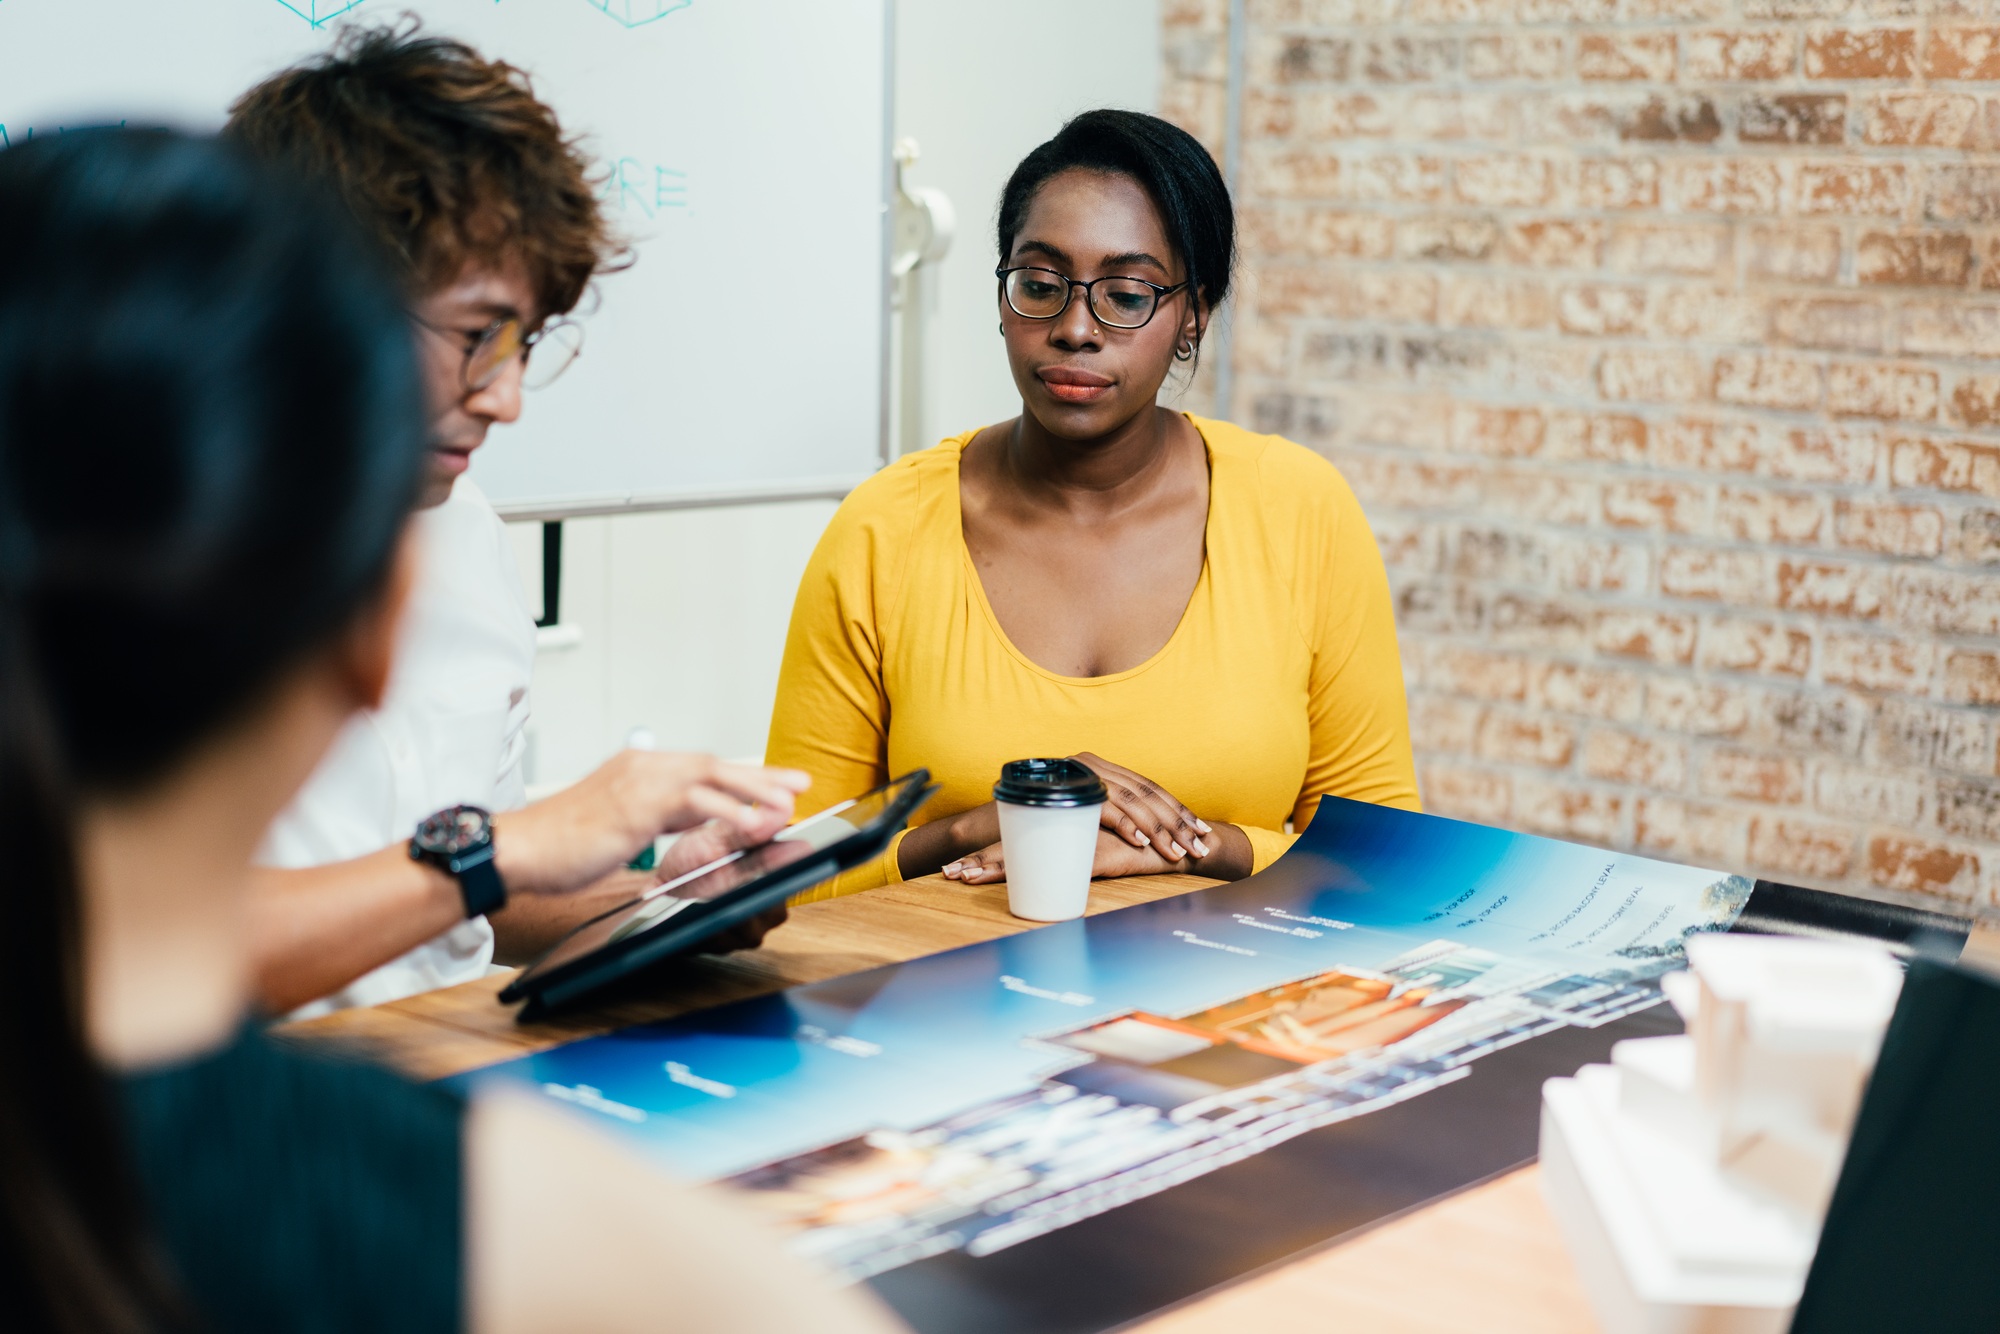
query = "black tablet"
x=684 y=912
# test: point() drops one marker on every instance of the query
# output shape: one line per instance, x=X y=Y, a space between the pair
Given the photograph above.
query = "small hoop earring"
x=1185 y=350
x=1002 y=328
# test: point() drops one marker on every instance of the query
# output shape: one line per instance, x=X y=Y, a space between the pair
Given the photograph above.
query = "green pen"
x=641 y=738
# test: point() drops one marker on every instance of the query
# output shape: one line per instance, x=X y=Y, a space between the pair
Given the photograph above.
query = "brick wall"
x=1661 y=339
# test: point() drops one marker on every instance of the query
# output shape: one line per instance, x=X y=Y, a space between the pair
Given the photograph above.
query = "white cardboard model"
x=1690 y=1175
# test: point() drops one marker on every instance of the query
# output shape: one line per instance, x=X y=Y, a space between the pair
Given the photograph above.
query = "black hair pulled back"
x=211 y=431
x=1169 y=163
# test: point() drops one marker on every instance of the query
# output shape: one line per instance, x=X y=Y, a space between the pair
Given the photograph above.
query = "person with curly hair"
x=411 y=859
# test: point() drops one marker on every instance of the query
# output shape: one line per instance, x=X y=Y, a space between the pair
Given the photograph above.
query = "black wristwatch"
x=459 y=841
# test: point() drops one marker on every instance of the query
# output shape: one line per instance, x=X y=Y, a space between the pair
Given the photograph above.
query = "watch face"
x=453 y=831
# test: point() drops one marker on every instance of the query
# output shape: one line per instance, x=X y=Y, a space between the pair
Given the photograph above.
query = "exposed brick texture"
x=1661 y=340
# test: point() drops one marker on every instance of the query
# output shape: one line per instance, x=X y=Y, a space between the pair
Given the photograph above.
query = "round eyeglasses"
x=545 y=353
x=1120 y=303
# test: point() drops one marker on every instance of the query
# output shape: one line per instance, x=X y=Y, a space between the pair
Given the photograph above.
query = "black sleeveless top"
x=295 y=1193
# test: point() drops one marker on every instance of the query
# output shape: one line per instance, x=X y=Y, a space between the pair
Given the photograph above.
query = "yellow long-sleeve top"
x=1280 y=684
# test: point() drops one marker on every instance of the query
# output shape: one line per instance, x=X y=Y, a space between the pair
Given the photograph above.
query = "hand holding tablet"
x=682 y=913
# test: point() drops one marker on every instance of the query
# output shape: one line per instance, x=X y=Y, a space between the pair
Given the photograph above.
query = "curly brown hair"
x=443 y=155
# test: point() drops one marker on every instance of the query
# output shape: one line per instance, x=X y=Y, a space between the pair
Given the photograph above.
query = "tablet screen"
x=719 y=879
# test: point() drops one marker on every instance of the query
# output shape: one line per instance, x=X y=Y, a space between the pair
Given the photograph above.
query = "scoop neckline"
x=1201 y=582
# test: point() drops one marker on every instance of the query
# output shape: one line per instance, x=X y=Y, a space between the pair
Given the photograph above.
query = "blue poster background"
x=910 y=1045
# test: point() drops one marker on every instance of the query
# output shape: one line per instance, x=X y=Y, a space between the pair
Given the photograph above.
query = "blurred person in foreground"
x=465 y=180
x=211 y=434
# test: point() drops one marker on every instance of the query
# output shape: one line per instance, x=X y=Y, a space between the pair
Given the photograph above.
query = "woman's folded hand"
x=1115 y=857
x=1145 y=830
x=1146 y=815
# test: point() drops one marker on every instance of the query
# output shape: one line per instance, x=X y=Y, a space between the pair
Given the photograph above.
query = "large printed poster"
x=974 y=1099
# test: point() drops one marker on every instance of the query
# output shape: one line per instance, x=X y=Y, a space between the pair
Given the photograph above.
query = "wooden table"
x=1486 y=1259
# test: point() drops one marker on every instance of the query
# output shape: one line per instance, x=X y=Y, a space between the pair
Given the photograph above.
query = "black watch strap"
x=458 y=840
x=479 y=881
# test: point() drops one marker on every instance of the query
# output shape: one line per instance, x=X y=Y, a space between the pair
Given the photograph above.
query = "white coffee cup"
x=1048 y=834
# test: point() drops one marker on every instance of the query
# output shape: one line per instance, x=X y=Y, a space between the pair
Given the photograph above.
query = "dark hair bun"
x=211 y=430
x=1170 y=163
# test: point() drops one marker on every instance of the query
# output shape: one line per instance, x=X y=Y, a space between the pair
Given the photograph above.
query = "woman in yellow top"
x=1198 y=613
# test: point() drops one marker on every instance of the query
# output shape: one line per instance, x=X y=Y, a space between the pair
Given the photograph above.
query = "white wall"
x=683 y=617
x=683 y=613
x=976 y=104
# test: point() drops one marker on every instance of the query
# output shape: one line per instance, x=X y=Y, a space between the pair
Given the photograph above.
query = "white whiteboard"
x=746 y=146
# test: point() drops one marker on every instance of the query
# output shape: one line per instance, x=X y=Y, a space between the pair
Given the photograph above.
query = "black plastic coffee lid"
x=1049 y=783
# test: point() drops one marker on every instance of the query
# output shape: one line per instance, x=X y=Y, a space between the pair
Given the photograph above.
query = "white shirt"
x=450 y=730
